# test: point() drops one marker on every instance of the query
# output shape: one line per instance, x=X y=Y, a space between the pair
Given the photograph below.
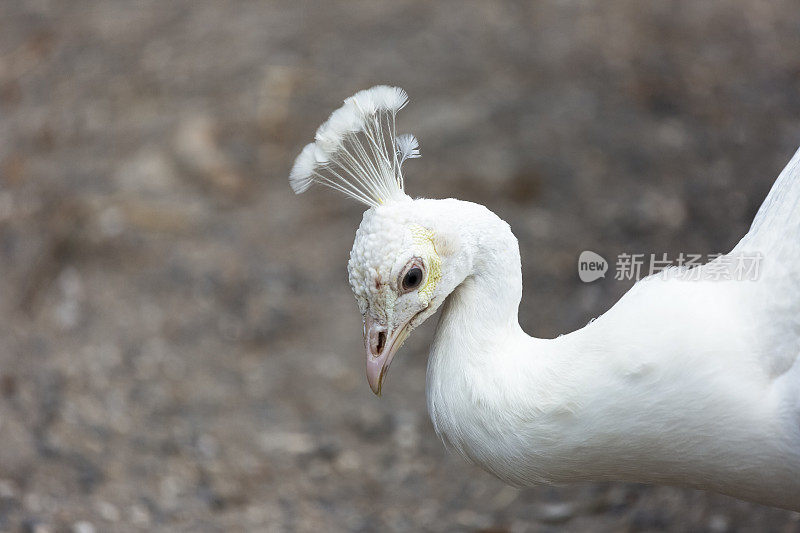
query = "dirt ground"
x=179 y=347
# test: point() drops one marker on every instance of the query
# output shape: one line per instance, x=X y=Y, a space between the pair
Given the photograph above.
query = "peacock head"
x=403 y=265
x=404 y=259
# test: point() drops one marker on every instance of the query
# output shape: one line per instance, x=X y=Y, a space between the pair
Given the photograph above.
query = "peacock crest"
x=357 y=150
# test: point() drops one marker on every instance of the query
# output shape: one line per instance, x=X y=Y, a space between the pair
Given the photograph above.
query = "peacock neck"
x=488 y=299
x=486 y=375
x=478 y=325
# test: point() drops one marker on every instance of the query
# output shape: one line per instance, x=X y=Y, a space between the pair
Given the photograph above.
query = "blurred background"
x=179 y=347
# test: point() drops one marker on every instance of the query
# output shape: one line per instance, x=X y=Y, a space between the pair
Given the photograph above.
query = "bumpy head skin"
x=391 y=240
x=386 y=243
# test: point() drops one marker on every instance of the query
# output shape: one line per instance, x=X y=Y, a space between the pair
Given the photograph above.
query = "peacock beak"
x=381 y=345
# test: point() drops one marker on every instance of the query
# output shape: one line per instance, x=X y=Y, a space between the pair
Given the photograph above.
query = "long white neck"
x=468 y=359
x=610 y=401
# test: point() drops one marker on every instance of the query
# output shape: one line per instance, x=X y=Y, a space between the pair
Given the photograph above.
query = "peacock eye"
x=412 y=279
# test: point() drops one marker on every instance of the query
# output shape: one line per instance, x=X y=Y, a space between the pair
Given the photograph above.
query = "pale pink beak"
x=381 y=345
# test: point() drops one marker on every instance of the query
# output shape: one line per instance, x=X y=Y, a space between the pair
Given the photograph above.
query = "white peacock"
x=685 y=381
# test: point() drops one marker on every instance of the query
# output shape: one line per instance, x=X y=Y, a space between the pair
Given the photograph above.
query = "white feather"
x=301 y=176
x=379 y=97
x=407 y=147
x=356 y=150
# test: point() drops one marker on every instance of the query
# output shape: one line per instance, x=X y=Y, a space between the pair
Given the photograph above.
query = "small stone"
x=149 y=172
x=555 y=513
x=139 y=515
x=471 y=519
x=198 y=150
x=38 y=527
x=7 y=489
x=83 y=527
x=108 y=511
x=348 y=461
x=718 y=523
x=505 y=497
x=32 y=502
x=276 y=89
x=207 y=445
x=67 y=312
x=294 y=443
x=18 y=451
x=111 y=222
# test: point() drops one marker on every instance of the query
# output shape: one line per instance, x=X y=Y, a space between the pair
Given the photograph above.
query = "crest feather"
x=356 y=151
x=407 y=147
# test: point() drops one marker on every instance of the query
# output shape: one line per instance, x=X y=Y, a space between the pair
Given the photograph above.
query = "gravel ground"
x=179 y=348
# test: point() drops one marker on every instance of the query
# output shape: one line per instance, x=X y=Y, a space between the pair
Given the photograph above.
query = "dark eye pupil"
x=412 y=278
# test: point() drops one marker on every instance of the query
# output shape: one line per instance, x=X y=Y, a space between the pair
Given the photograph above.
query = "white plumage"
x=690 y=379
x=357 y=150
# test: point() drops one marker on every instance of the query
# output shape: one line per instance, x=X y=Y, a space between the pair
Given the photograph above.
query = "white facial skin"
x=400 y=274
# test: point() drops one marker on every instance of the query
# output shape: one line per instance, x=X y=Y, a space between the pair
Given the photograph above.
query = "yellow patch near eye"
x=423 y=239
